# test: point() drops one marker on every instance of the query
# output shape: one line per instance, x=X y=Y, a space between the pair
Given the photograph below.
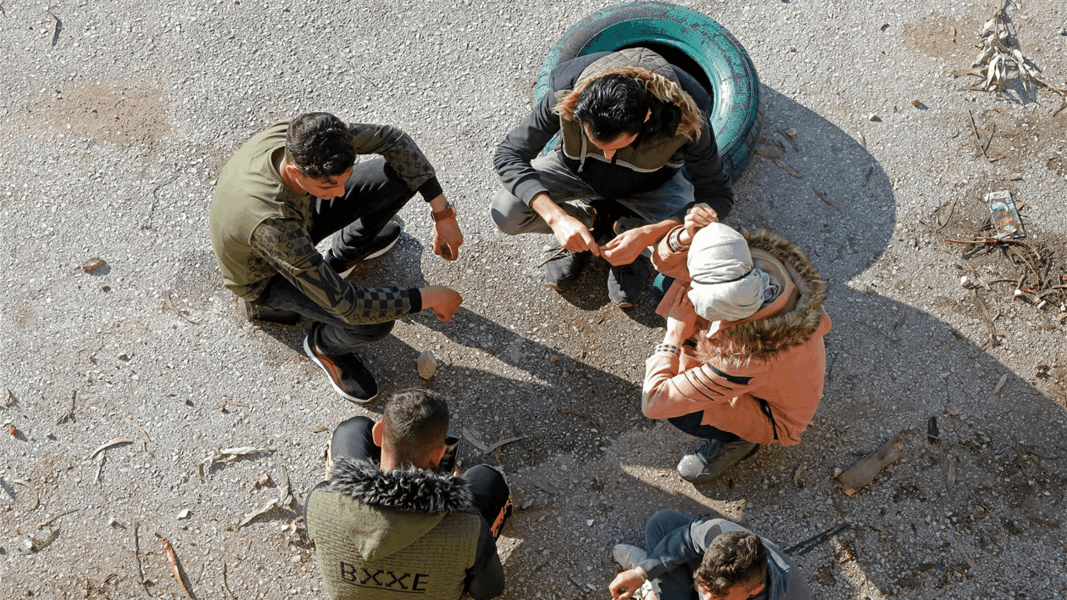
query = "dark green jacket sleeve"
x=286 y=245
x=402 y=154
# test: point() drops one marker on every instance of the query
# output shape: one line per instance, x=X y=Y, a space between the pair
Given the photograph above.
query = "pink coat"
x=779 y=349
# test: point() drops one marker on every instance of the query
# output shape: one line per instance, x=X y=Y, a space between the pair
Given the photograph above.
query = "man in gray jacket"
x=705 y=559
x=634 y=141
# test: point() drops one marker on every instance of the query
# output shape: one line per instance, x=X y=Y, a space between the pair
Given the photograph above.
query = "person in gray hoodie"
x=705 y=559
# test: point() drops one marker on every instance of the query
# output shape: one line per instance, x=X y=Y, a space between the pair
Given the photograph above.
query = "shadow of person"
x=891 y=367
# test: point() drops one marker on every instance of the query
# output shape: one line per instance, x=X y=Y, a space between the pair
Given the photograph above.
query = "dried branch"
x=172 y=558
x=111 y=444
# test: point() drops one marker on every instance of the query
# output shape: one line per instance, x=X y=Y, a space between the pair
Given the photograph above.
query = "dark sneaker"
x=712 y=459
x=626 y=282
x=254 y=311
x=627 y=556
x=377 y=246
x=562 y=267
x=347 y=374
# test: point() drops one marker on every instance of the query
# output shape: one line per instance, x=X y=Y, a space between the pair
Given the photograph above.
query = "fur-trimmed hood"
x=410 y=490
x=650 y=70
x=777 y=327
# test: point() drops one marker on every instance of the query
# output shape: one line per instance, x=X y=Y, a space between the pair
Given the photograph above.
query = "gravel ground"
x=116 y=119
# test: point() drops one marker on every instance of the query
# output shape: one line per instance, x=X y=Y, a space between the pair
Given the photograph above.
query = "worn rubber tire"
x=690 y=40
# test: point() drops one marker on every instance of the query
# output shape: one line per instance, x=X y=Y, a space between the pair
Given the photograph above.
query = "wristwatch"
x=448 y=212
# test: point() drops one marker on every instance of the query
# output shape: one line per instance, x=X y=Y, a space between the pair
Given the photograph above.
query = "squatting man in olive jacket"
x=393 y=520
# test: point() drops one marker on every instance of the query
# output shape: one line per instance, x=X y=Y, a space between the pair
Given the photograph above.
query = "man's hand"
x=569 y=231
x=681 y=316
x=698 y=217
x=447 y=238
x=628 y=245
x=624 y=248
x=625 y=584
x=443 y=302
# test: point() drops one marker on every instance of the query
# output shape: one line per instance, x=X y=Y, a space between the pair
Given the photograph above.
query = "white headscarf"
x=725 y=284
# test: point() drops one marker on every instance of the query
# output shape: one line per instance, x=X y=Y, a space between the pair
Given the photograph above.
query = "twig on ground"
x=170 y=304
x=136 y=426
x=811 y=543
x=226 y=584
x=781 y=164
x=55 y=28
x=505 y=442
x=228 y=402
x=172 y=558
x=977 y=137
x=39 y=545
x=571 y=413
x=867 y=179
x=827 y=200
x=266 y=508
x=36 y=496
x=54 y=517
x=137 y=555
x=70 y=411
x=111 y=444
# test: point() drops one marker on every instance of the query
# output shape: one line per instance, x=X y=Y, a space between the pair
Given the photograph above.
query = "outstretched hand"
x=447 y=238
x=698 y=217
x=442 y=302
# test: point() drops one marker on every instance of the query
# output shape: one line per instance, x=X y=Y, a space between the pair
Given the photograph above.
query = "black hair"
x=416 y=423
x=319 y=145
x=735 y=557
x=613 y=105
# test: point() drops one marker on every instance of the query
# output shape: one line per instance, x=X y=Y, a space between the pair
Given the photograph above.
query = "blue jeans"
x=676 y=584
x=691 y=424
x=374 y=194
x=515 y=217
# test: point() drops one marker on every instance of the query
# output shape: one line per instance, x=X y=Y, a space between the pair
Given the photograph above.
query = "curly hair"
x=319 y=145
x=733 y=558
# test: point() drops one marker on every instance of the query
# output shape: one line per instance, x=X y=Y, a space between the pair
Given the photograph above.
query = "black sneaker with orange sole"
x=346 y=372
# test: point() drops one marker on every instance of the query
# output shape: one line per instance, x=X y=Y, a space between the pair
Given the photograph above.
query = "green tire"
x=691 y=41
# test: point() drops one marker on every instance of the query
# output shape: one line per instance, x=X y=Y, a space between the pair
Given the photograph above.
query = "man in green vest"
x=292 y=186
x=635 y=141
x=394 y=522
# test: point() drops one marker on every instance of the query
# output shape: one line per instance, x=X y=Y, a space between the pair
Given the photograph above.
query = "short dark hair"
x=319 y=145
x=612 y=106
x=735 y=557
x=416 y=423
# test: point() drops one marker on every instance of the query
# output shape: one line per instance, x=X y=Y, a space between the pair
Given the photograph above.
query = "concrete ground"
x=116 y=118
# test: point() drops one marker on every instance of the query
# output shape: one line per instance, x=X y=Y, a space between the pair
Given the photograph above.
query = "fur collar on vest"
x=763 y=339
x=413 y=490
x=666 y=90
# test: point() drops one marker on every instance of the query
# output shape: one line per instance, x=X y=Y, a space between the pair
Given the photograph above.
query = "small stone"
x=791 y=133
x=953 y=411
x=263 y=481
x=92 y=264
x=589 y=522
x=184 y=514
x=553 y=359
x=966 y=283
x=873 y=117
x=837 y=472
x=427 y=364
x=916 y=103
x=112 y=522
